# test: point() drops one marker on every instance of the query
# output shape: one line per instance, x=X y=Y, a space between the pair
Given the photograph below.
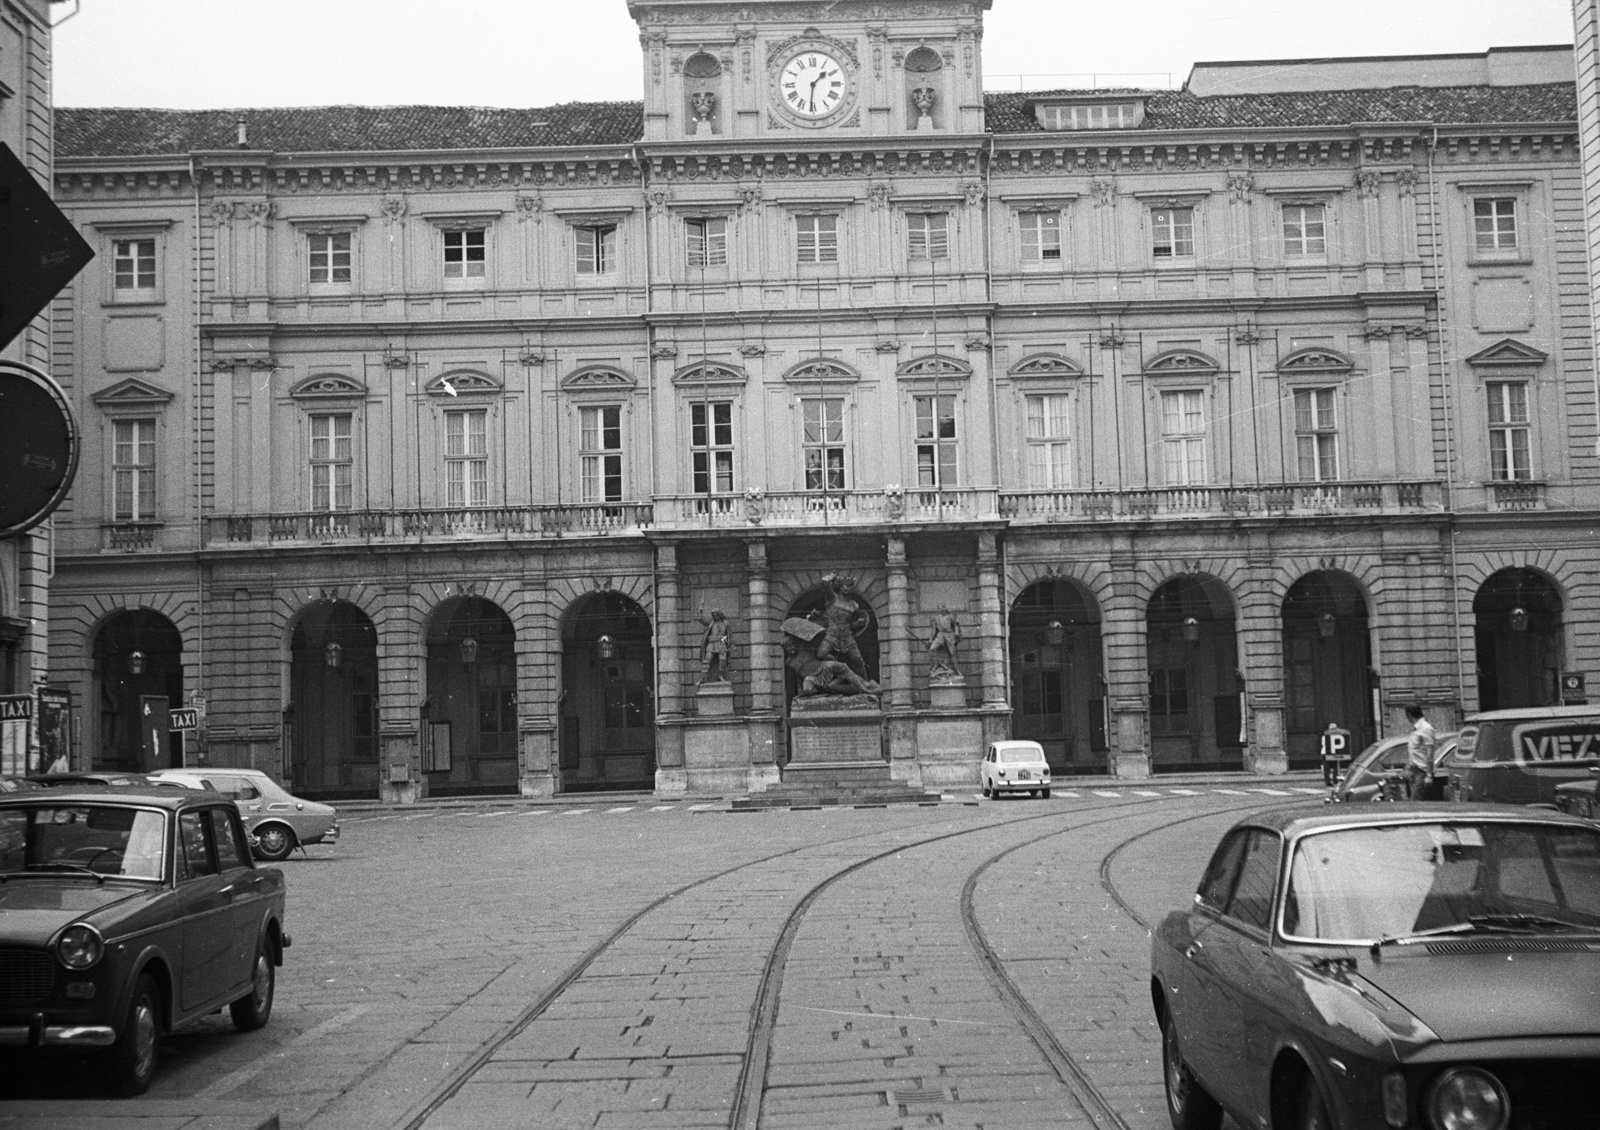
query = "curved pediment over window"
x=1041 y=365
x=328 y=386
x=934 y=365
x=821 y=370
x=710 y=373
x=604 y=377
x=1181 y=362
x=132 y=393
x=1508 y=353
x=1315 y=361
x=463 y=382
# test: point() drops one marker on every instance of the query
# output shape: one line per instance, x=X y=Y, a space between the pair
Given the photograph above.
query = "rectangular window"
x=1183 y=437
x=329 y=257
x=133 y=266
x=708 y=242
x=464 y=254
x=1041 y=237
x=133 y=470
x=1049 y=442
x=330 y=461
x=1508 y=431
x=818 y=238
x=466 y=457
x=1305 y=231
x=1173 y=230
x=1316 y=435
x=711 y=443
x=597 y=250
x=929 y=235
x=824 y=443
x=600 y=452
x=936 y=441
x=1494 y=223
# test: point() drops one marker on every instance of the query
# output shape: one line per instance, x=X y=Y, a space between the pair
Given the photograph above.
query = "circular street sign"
x=38 y=447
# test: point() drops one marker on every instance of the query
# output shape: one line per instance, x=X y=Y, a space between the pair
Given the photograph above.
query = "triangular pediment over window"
x=1042 y=365
x=1509 y=352
x=132 y=393
x=1181 y=362
x=463 y=382
x=328 y=386
x=605 y=377
x=1315 y=360
x=710 y=373
x=821 y=370
x=934 y=365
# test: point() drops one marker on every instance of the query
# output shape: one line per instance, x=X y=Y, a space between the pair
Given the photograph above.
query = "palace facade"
x=420 y=437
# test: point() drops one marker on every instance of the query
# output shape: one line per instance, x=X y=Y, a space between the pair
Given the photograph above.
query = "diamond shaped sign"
x=40 y=250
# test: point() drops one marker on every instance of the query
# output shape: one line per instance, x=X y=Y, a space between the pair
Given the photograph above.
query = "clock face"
x=812 y=84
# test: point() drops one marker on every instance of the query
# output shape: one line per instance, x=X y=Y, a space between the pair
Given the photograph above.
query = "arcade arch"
x=332 y=717
x=1327 y=665
x=1520 y=640
x=470 y=709
x=1058 y=687
x=608 y=714
x=1196 y=718
x=138 y=654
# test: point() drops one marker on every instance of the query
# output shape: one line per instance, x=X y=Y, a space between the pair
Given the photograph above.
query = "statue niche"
x=822 y=645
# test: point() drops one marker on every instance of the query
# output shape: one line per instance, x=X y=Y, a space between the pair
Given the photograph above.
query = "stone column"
x=897 y=673
x=538 y=667
x=765 y=666
x=1124 y=636
x=399 y=699
x=1260 y=636
x=671 y=775
x=991 y=633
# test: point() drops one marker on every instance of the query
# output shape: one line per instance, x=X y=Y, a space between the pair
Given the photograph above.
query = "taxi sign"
x=183 y=718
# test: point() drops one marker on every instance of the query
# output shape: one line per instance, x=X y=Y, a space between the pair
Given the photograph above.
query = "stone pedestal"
x=1130 y=759
x=949 y=747
x=824 y=734
x=949 y=693
x=716 y=756
x=1266 y=755
x=714 y=700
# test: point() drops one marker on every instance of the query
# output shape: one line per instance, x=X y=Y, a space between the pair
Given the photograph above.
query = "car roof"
x=1296 y=821
x=1534 y=713
x=208 y=771
x=144 y=796
x=1015 y=743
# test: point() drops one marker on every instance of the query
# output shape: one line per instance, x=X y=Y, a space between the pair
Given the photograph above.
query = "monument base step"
x=836 y=784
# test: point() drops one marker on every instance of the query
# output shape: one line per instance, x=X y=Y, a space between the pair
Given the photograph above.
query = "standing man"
x=1419 y=753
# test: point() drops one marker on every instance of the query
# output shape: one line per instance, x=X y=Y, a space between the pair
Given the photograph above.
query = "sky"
x=196 y=54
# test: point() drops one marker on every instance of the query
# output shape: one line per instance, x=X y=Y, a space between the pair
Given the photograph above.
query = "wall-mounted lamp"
x=1055 y=631
x=1326 y=625
x=136 y=663
x=607 y=647
x=469 y=650
x=333 y=655
x=1519 y=619
x=1191 y=629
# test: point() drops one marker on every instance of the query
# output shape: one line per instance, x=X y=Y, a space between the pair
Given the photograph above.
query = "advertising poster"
x=55 y=729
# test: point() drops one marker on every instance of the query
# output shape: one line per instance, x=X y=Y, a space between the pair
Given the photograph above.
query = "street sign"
x=40 y=249
x=1572 y=689
x=184 y=718
x=38 y=447
x=16 y=719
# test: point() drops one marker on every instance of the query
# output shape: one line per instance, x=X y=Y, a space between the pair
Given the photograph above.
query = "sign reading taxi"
x=40 y=248
x=184 y=718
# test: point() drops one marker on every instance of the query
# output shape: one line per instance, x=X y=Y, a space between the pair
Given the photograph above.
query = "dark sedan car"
x=1581 y=798
x=1387 y=966
x=1379 y=772
x=125 y=913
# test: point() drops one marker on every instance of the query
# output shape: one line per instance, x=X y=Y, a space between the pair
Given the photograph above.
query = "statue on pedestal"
x=942 y=646
x=845 y=617
x=803 y=641
x=714 y=650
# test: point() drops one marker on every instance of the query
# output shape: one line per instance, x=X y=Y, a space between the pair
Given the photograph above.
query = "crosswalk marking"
x=663 y=808
x=1100 y=792
x=578 y=812
x=628 y=808
x=1270 y=792
x=1313 y=792
x=1231 y=792
x=701 y=807
x=1144 y=792
x=1183 y=792
x=1074 y=796
x=537 y=812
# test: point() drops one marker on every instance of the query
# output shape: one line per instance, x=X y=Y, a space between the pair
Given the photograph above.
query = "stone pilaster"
x=399 y=700
x=897 y=630
x=1260 y=645
x=991 y=630
x=765 y=658
x=1124 y=633
x=671 y=773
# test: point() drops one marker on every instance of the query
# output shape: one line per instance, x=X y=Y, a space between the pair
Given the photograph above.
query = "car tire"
x=274 y=842
x=983 y=786
x=1045 y=793
x=131 y=1061
x=1313 y=1112
x=1189 y=1105
x=254 y=1009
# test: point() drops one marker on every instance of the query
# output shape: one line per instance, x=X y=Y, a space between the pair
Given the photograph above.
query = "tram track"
x=746 y=1112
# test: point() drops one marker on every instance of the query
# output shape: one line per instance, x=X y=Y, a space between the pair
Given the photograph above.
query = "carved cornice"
x=1315 y=361
x=1045 y=366
x=710 y=373
x=821 y=370
x=328 y=386
x=600 y=377
x=463 y=382
x=1508 y=353
x=1181 y=362
x=132 y=393
x=933 y=365
x=227 y=363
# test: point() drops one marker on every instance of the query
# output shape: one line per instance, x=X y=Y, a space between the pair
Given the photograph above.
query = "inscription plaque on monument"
x=818 y=737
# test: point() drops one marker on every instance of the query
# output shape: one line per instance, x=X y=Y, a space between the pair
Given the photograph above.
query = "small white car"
x=277 y=821
x=1014 y=767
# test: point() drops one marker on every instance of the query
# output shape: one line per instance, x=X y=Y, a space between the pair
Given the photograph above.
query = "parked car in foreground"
x=277 y=821
x=1521 y=756
x=1014 y=767
x=1379 y=772
x=18 y=785
x=124 y=914
x=1372 y=967
x=1581 y=798
x=112 y=779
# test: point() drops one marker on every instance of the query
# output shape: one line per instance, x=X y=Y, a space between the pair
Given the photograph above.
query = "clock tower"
x=800 y=68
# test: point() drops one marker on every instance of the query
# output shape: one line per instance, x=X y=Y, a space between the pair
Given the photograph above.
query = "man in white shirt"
x=1419 y=753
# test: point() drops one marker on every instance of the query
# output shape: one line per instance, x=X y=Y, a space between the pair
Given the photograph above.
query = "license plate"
x=1024 y=775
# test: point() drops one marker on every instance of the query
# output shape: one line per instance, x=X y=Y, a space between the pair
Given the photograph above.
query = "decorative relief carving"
x=1368 y=182
x=878 y=195
x=260 y=211
x=750 y=196
x=1046 y=365
x=1187 y=361
x=1406 y=180
x=973 y=192
x=326 y=385
x=656 y=200
x=1103 y=189
x=878 y=41
x=821 y=370
x=531 y=357
x=222 y=211
x=780 y=50
x=392 y=208
x=754 y=349
x=598 y=377
x=977 y=342
x=1240 y=182
x=462 y=382
x=887 y=346
x=1315 y=360
x=935 y=364
x=530 y=207
x=664 y=352
x=1247 y=335
x=710 y=373
x=396 y=359
x=703 y=104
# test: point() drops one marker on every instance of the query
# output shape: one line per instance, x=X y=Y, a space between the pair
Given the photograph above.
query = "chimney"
x=244 y=134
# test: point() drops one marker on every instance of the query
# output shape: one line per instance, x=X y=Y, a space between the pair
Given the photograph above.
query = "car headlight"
x=80 y=947
x=1468 y=1098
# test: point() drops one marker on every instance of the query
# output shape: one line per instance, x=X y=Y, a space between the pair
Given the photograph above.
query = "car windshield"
x=1366 y=884
x=1021 y=756
x=92 y=838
